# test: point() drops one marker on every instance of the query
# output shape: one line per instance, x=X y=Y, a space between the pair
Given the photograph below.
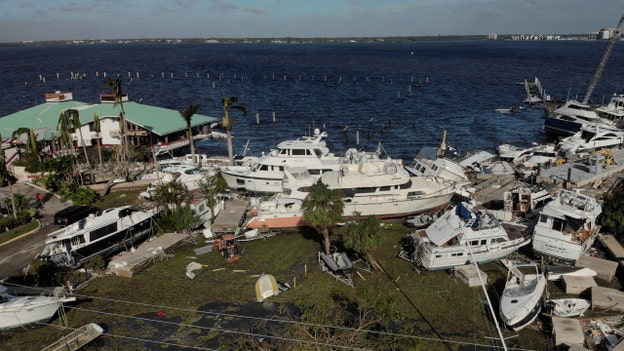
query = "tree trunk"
x=230 y=150
x=326 y=241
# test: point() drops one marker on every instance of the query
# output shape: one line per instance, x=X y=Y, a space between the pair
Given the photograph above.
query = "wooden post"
x=257 y=118
x=273 y=116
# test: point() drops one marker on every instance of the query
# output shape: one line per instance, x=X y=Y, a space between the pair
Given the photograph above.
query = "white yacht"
x=371 y=187
x=591 y=138
x=566 y=228
x=462 y=236
x=569 y=118
x=265 y=175
x=97 y=235
x=18 y=311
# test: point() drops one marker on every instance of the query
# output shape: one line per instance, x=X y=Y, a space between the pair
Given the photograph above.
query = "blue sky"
x=22 y=20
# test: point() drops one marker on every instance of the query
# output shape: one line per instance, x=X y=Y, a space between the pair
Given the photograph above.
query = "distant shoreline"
x=293 y=40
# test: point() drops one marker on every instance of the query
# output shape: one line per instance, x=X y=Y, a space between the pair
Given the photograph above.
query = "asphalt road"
x=15 y=255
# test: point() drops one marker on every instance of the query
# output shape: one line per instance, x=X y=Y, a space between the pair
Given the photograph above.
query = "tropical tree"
x=31 y=142
x=211 y=187
x=323 y=210
x=187 y=114
x=362 y=236
x=74 y=120
x=612 y=217
x=115 y=85
x=4 y=174
x=228 y=121
x=64 y=127
x=97 y=127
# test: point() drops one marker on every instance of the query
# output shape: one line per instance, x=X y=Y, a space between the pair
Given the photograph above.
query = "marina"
x=366 y=182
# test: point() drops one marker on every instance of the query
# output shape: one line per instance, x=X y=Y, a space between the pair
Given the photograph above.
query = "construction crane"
x=603 y=62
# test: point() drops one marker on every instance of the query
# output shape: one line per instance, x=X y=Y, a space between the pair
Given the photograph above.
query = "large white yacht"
x=266 y=174
x=571 y=116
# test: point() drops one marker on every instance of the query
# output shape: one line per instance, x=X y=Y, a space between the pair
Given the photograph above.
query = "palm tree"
x=31 y=142
x=362 y=236
x=228 y=122
x=211 y=187
x=97 y=127
x=63 y=126
x=74 y=119
x=115 y=84
x=4 y=174
x=323 y=209
x=187 y=114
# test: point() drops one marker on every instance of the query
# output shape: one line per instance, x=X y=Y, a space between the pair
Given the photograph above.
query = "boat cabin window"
x=406 y=185
x=415 y=193
x=543 y=219
x=263 y=168
x=483 y=241
x=558 y=224
x=457 y=254
x=474 y=242
x=384 y=188
x=318 y=152
x=102 y=232
x=298 y=152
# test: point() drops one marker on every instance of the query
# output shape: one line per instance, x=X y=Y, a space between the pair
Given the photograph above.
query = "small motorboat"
x=521 y=301
x=568 y=307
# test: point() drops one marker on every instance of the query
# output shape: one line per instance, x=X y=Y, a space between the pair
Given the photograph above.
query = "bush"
x=83 y=196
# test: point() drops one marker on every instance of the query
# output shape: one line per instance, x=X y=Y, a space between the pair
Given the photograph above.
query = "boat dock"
x=229 y=218
x=134 y=261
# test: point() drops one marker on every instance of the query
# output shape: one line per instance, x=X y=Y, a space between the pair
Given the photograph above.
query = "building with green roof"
x=161 y=129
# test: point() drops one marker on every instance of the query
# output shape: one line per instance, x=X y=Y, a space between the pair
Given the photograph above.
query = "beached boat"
x=265 y=175
x=461 y=236
x=76 y=339
x=283 y=210
x=567 y=227
x=113 y=230
x=568 y=307
x=568 y=119
x=522 y=298
x=371 y=187
x=17 y=311
x=383 y=188
x=266 y=286
x=338 y=265
x=591 y=138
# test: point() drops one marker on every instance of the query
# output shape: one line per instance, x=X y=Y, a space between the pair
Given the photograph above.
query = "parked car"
x=73 y=214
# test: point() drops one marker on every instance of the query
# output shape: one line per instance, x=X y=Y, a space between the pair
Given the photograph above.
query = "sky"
x=38 y=20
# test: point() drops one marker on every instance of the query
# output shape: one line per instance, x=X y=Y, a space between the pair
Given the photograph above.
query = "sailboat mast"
x=487 y=297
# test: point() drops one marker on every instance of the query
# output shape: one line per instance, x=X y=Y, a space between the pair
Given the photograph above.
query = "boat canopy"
x=445 y=228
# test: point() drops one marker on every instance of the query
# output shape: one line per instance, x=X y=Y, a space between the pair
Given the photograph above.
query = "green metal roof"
x=44 y=117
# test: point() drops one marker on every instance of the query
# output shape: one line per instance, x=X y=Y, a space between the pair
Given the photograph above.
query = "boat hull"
x=26 y=310
x=560 y=127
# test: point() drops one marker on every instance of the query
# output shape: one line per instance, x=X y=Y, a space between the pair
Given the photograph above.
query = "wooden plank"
x=228 y=219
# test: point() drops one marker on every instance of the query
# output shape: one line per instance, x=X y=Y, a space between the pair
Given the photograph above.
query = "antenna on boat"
x=442 y=149
x=487 y=297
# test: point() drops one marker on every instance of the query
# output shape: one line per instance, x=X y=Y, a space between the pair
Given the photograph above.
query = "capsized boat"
x=522 y=298
x=449 y=241
x=17 y=311
x=566 y=228
x=266 y=286
x=113 y=230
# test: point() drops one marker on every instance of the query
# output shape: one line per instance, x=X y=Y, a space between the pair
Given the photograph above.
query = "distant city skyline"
x=32 y=20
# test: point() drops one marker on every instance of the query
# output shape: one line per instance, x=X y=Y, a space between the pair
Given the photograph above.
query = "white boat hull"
x=24 y=310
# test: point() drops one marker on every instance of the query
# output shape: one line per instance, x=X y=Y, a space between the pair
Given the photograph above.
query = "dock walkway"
x=130 y=262
x=229 y=218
